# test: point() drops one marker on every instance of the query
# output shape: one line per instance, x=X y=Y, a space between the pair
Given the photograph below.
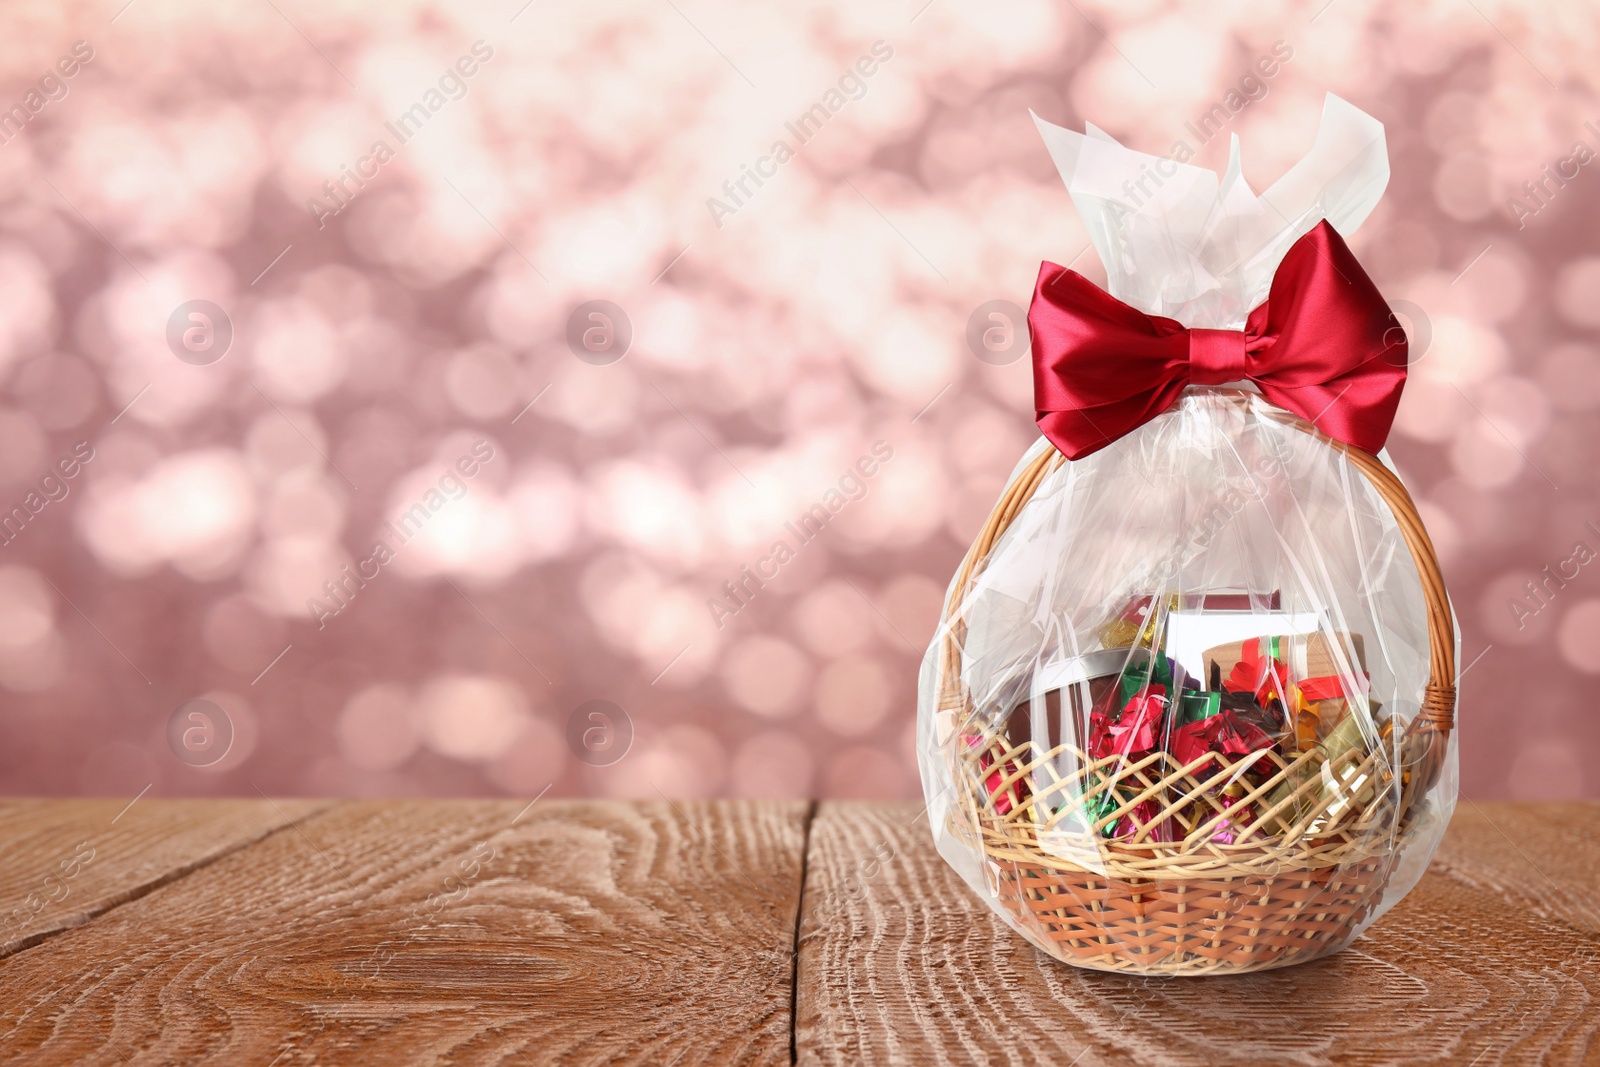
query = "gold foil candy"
x=1119 y=633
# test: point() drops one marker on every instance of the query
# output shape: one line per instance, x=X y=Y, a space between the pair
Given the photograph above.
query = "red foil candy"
x=1136 y=732
x=1144 y=814
x=1223 y=732
x=1002 y=800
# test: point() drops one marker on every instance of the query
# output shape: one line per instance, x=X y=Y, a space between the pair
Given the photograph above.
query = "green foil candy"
x=1099 y=804
x=1197 y=706
x=1138 y=679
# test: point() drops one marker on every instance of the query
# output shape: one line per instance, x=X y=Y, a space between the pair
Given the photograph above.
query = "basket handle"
x=1428 y=732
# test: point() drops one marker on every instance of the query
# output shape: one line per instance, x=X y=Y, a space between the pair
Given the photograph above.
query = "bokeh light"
x=291 y=526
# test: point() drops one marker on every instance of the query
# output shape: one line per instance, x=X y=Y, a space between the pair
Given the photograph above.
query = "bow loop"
x=1322 y=347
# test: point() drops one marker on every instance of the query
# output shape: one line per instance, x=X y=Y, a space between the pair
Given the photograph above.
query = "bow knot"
x=1323 y=346
x=1217 y=357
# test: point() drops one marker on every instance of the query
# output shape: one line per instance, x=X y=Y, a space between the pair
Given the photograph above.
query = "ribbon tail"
x=1080 y=432
x=1356 y=408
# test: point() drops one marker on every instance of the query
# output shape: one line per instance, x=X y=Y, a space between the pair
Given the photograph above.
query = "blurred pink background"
x=384 y=329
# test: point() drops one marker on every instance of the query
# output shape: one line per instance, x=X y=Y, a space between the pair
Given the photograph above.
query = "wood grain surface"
x=477 y=932
x=441 y=932
x=1490 y=960
x=67 y=861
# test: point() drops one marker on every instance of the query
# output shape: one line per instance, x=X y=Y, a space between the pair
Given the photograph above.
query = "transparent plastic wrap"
x=1189 y=708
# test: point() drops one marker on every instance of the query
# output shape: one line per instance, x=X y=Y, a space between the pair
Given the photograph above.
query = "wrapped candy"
x=1133 y=626
x=1147 y=814
x=1309 y=676
x=1137 y=731
x=995 y=780
x=1240 y=814
x=1247 y=709
x=1222 y=733
x=1054 y=723
x=1145 y=672
x=1101 y=800
x=1333 y=763
x=1308 y=728
x=1342 y=752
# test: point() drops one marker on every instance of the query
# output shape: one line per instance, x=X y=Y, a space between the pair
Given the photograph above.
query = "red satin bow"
x=1324 y=346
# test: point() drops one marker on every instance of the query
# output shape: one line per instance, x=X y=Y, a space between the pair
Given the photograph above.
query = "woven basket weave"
x=1295 y=884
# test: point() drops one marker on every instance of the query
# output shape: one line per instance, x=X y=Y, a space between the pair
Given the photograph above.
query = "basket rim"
x=1432 y=724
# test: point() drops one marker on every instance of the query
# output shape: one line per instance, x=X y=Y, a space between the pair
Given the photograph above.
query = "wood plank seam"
x=142 y=889
x=794 y=948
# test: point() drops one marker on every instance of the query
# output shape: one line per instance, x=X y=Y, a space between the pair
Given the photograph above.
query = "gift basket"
x=1189 y=707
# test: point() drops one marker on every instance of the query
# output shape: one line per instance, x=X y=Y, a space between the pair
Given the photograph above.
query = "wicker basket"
x=1294 y=885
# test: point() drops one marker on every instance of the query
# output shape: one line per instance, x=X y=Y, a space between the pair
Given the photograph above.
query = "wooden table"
x=475 y=932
